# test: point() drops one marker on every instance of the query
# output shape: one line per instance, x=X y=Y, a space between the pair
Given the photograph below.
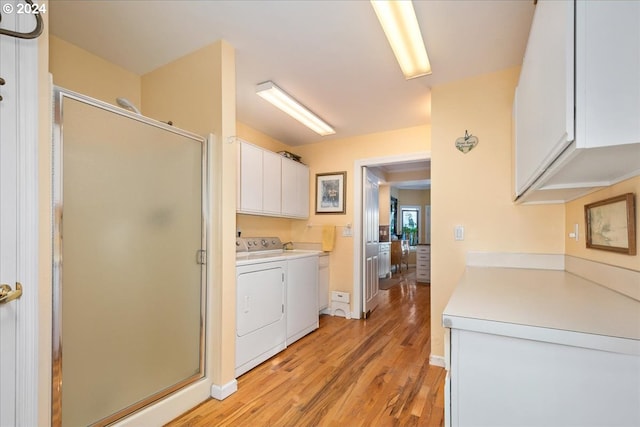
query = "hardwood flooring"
x=372 y=372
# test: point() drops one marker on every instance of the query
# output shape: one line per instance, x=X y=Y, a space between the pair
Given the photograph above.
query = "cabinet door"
x=250 y=178
x=302 y=297
x=544 y=105
x=295 y=189
x=271 y=182
x=607 y=73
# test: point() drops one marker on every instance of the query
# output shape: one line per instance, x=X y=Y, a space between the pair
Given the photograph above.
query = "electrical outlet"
x=458 y=232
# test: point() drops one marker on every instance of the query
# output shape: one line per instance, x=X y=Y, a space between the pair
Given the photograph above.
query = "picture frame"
x=611 y=224
x=330 y=193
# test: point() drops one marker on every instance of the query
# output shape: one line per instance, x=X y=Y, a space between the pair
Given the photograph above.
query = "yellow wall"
x=340 y=155
x=78 y=70
x=197 y=92
x=45 y=257
x=414 y=198
x=474 y=189
x=574 y=214
x=202 y=101
x=384 y=204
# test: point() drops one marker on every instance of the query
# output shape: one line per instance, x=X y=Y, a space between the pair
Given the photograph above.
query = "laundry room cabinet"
x=302 y=297
x=270 y=184
x=577 y=102
x=295 y=189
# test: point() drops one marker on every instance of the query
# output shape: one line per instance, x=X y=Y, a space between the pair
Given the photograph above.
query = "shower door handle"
x=6 y=294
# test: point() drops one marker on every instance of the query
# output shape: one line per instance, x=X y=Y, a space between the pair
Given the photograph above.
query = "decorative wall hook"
x=467 y=142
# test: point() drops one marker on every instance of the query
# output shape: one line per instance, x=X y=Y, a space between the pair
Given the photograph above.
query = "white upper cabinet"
x=271 y=185
x=577 y=105
x=295 y=189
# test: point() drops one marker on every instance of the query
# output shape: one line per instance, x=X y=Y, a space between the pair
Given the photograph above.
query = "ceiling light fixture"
x=279 y=98
x=400 y=25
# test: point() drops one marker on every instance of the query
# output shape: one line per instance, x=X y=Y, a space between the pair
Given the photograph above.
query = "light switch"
x=458 y=232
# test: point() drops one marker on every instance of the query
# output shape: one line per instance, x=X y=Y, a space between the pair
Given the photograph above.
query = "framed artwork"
x=330 y=193
x=611 y=224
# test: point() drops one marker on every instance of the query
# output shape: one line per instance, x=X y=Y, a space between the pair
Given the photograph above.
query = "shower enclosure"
x=129 y=261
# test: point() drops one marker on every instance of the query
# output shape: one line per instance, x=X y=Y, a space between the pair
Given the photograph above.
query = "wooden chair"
x=399 y=254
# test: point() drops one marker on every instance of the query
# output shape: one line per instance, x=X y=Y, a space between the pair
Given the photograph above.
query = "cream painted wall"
x=474 y=189
x=197 y=92
x=384 y=203
x=341 y=155
x=574 y=214
x=78 y=70
x=45 y=258
x=415 y=198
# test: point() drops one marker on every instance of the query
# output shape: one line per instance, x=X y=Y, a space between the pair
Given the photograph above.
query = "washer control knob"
x=264 y=242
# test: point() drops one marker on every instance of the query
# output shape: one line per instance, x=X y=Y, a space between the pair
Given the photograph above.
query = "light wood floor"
x=372 y=372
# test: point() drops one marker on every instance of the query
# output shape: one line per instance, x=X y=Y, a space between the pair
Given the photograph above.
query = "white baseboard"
x=221 y=392
x=436 y=361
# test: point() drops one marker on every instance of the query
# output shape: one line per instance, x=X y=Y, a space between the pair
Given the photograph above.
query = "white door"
x=370 y=234
x=18 y=219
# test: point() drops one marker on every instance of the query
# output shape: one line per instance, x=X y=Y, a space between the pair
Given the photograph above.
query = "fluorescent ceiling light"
x=282 y=100
x=399 y=22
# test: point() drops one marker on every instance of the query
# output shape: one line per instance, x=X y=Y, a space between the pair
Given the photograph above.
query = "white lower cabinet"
x=302 y=297
x=384 y=260
x=505 y=381
x=532 y=347
x=423 y=263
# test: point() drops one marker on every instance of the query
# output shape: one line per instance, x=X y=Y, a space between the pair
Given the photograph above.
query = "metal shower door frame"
x=59 y=94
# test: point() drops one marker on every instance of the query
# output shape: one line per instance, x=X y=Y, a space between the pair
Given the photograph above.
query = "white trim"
x=167 y=409
x=26 y=88
x=221 y=392
x=515 y=260
x=357 y=217
x=437 y=361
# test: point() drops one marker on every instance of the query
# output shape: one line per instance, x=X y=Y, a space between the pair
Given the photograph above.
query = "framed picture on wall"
x=330 y=193
x=611 y=224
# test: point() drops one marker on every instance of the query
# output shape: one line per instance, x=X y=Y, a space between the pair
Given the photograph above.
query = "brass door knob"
x=7 y=294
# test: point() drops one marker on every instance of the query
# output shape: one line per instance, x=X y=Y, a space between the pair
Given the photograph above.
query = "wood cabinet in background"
x=400 y=254
x=270 y=184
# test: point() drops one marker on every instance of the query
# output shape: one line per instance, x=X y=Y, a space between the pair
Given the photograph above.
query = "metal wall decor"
x=467 y=142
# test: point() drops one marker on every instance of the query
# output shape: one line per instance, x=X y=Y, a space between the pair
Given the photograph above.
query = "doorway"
x=394 y=162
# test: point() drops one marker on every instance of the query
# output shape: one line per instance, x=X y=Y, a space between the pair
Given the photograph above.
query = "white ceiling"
x=330 y=55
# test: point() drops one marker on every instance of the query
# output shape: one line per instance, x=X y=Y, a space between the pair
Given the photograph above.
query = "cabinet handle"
x=6 y=294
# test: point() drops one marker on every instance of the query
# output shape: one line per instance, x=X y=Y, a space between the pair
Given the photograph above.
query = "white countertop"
x=547 y=305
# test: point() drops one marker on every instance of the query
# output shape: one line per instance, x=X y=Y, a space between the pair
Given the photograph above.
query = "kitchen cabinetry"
x=302 y=297
x=384 y=260
x=578 y=100
x=423 y=263
x=270 y=184
x=295 y=189
x=541 y=347
x=323 y=282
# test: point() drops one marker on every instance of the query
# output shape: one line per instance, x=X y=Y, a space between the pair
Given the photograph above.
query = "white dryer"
x=261 y=328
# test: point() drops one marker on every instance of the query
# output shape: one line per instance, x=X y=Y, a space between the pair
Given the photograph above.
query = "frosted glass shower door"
x=129 y=202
